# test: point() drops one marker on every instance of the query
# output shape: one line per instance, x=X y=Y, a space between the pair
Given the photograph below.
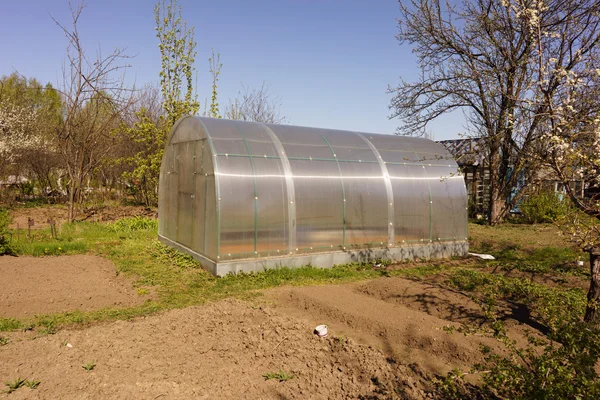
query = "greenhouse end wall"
x=245 y=196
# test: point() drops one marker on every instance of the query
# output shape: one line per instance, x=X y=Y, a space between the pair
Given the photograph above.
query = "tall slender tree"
x=177 y=47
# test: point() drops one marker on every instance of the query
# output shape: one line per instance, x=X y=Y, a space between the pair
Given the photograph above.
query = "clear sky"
x=330 y=61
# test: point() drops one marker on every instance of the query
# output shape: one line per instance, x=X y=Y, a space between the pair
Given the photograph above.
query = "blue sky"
x=330 y=61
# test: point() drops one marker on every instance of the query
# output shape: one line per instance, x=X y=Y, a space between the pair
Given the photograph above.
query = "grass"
x=89 y=365
x=280 y=375
x=15 y=384
x=178 y=280
x=32 y=384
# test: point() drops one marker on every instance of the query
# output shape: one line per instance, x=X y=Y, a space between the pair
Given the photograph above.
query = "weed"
x=10 y=324
x=89 y=366
x=281 y=376
x=32 y=384
x=128 y=225
x=14 y=385
x=340 y=339
x=3 y=341
x=171 y=256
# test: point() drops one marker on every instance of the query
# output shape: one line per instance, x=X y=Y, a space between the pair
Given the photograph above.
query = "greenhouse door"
x=185 y=195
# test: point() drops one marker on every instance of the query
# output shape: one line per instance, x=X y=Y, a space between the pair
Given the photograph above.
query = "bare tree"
x=94 y=98
x=256 y=105
x=481 y=56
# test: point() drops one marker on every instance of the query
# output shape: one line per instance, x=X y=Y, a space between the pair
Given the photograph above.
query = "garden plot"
x=45 y=285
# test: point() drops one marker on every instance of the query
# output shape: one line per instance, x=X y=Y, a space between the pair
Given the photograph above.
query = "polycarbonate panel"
x=449 y=214
x=185 y=197
x=272 y=217
x=172 y=192
x=187 y=130
x=303 y=143
x=232 y=190
x=258 y=140
x=411 y=203
x=212 y=238
x=237 y=203
x=200 y=193
x=366 y=204
x=226 y=137
x=429 y=152
x=319 y=205
x=349 y=147
x=390 y=150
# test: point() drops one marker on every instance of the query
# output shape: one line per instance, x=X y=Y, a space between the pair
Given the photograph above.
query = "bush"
x=558 y=365
x=544 y=206
x=5 y=246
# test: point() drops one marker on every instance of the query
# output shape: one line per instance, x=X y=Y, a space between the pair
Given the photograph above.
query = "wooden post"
x=30 y=223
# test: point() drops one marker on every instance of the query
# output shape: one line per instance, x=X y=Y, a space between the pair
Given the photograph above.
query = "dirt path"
x=220 y=350
x=43 y=285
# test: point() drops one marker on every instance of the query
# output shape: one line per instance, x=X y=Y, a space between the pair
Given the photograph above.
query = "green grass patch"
x=10 y=324
x=280 y=375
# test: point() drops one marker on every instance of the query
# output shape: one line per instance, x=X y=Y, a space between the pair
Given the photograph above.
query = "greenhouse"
x=245 y=196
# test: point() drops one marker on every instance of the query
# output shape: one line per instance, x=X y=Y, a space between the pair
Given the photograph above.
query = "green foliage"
x=143 y=177
x=559 y=365
x=9 y=324
x=15 y=384
x=177 y=48
x=280 y=375
x=544 y=206
x=3 y=341
x=137 y=223
x=215 y=69
x=49 y=247
x=32 y=384
x=5 y=238
x=169 y=255
x=89 y=365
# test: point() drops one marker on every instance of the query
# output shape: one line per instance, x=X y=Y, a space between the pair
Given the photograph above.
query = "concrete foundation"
x=327 y=259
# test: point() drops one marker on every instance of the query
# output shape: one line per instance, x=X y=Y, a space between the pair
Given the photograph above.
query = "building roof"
x=466 y=151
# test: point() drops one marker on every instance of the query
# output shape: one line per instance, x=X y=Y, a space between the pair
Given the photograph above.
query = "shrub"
x=5 y=245
x=560 y=365
x=544 y=206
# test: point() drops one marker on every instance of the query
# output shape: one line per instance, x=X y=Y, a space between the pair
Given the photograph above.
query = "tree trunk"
x=71 y=213
x=497 y=206
x=592 y=312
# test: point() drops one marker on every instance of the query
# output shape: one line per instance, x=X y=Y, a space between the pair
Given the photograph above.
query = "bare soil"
x=44 y=285
x=221 y=350
x=404 y=318
x=387 y=340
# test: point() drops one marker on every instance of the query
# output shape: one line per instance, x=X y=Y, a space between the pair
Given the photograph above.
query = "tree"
x=29 y=113
x=481 y=57
x=149 y=128
x=214 y=63
x=178 y=51
x=94 y=100
x=147 y=132
x=256 y=105
x=527 y=74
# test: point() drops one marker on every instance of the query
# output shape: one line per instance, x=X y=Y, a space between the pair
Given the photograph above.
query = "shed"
x=245 y=196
